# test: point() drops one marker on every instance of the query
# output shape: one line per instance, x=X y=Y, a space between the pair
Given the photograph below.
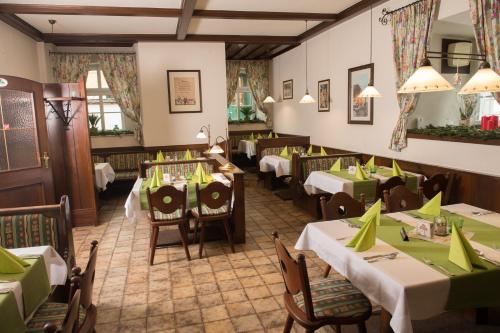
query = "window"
x=102 y=103
x=488 y=106
x=242 y=100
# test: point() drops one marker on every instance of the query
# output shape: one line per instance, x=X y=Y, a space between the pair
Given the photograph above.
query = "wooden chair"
x=401 y=198
x=213 y=204
x=319 y=303
x=341 y=206
x=439 y=183
x=171 y=213
x=388 y=185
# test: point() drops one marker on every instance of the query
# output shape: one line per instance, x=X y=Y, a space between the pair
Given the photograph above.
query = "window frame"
x=242 y=89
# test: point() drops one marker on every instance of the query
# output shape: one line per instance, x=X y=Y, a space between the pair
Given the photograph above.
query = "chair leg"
x=184 y=238
x=338 y=329
x=288 y=324
x=202 y=238
x=228 y=234
x=152 y=244
x=362 y=327
x=327 y=270
x=196 y=224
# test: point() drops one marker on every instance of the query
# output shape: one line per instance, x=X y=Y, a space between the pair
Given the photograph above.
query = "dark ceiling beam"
x=268 y=52
x=344 y=15
x=258 y=50
x=248 y=50
x=286 y=49
x=89 y=10
x=187 y=8
x=260 y=15
x=238 y=52
x=22 y=26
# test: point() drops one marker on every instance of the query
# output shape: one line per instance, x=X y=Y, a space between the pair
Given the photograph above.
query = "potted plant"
x=93 y=121
x=247 y=112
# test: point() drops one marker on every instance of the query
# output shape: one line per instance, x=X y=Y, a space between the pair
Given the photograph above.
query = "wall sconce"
x=201 y=134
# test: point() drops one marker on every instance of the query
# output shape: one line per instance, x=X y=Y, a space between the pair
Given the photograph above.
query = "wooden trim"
x=183 y=22
x=22 y=26
x=261 y=15
x=250 y=49
x=492 y=142
x=235 y=53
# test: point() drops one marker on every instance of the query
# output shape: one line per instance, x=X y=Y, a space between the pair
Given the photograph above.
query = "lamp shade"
x=485 y=80
x=307 y=99
x=216 y=149
x=369 y=92
x=425 y=79
x=269 y=99
x=201 y=135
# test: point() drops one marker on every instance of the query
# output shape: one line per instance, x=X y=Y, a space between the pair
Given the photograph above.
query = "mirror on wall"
x=453 y=34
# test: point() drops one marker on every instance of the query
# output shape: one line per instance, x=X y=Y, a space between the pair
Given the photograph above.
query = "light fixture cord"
x=483 y=30
x=371 y=31
x=307 y=88
x=427 y=29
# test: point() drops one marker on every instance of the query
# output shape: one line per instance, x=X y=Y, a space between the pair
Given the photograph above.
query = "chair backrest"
x=295 y=275
x=438 y=183
x=87 y=277
x=388 y=185
x=167 y=199
x=401 y=198
x=341 y=205
x=70 y=322
x=215 y=195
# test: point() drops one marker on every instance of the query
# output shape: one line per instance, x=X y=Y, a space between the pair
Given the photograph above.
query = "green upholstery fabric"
x=183 y=168
x=323 y=164
x=335 y=297
x=98 y=159
x=209 y=211
x=53 y=313
x=127 y=161
x=28 y=230
x=277 y=150
x=126 y=175
x=172 y=216
x=179 y=155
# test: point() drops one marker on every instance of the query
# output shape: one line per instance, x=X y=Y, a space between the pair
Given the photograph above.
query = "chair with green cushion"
x=327 y=301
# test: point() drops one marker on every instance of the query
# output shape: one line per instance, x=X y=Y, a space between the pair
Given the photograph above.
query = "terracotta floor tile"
x=225 y=326
x=187 y=318
x=214 y=313
x=246 y=323
x=240 y=309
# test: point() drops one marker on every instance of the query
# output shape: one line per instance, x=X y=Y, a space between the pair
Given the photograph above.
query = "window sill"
x=493 y=140
x=106 y=134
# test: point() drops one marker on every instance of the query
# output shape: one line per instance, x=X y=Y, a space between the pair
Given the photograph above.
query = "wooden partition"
x=282 y=141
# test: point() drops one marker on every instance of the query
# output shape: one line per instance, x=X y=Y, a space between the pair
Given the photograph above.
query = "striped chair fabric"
x=98 y=159
x=277 y=150
x=182 y=168
x=172 y=216
x=335 y=297
x=28 y=230
x=209 y=211
x=53 y=313
x=179 y=155
x=322 y=164
x=128 y=161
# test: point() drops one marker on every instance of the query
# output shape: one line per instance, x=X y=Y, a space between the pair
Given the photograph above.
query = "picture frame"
x=324 y=95
x=184 y=91
x=360 y=110
x=288 y=89
x=455 y=46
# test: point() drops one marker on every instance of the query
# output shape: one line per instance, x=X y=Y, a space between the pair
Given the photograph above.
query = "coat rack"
x=67 y=113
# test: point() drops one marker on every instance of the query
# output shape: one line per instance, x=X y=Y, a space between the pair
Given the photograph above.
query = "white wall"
x=153 y=60
x=330 y=55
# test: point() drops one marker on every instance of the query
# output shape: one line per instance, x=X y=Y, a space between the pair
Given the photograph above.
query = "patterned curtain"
x=258 y=80
x=409 y=27
x=232 y=74
x=489 y=10
x=120 y=72
x=69 y=67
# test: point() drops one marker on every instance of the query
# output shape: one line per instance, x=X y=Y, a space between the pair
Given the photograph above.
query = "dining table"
x=247 y=147
x=104 y=174
x=414 y=279
x=280 y=165
x=22 y=293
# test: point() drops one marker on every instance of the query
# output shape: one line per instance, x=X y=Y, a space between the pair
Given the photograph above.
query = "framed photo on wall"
x=184 y=91
x=324 y=95
x=360 y=110
x=288 y=89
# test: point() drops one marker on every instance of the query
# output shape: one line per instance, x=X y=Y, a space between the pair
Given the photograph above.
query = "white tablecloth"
x=247 y=147
x=133 y=209
x=407 y=288
x=280 y=165
x=104 y=174
x=57 y=270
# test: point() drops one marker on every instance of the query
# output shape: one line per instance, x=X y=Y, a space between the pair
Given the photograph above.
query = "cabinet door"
x=25 y=165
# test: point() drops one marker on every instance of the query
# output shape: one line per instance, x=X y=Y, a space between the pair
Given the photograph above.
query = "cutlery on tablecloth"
x=391 y=256
x=429 y=262
x=351 y=225
x=484 y=257
x=486 y=212
x=381 y=255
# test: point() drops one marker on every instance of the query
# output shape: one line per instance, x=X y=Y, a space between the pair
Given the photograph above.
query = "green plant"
x=247 y=112
x=458 y=131
x=467 y=104
x=94 y=120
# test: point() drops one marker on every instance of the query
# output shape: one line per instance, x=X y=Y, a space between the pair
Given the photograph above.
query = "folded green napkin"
x=159 y=157
x=432 y=207
x=371 y=163
x=10 y=263
x=461 y=252
x=322 y=152
x=284 y=152
x=252 y=137
x=188 y=156
x=259 y=136
x=360 y=173
x=200 y=174
x=365 y=238
x=157 y=178
x=310 y=150
x=294 y=151
x=373 y=211
x=396 y=170
x=336 y=166
x=270 y=135
x=276 y=135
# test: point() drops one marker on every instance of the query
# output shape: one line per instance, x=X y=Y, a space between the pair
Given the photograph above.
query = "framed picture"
x=184 y=91
x=288 y=89
x=450 y=66
x=324 y=95
x=360 y=110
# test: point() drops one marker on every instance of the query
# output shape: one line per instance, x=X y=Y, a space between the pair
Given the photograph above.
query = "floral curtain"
x=69 y=67
x=232 y=74
x=258 y=80
x=490 y=30
x=409 y=26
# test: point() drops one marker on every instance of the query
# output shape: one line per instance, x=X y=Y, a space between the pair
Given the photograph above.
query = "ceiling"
x=252 y=29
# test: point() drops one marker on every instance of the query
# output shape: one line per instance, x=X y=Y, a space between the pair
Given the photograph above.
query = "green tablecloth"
x=467 y=289
x=411 y=180
x=35 y=287
x=368 y=186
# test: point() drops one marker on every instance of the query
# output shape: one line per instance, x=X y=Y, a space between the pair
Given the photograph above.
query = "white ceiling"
x=248 y=27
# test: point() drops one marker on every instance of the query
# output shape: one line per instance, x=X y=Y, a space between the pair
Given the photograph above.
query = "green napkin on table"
x=157 y=178
x=336 y=166
x=200 y=173
x=252 y=137
x=396 y=170
x=461 y=252
x=360 y=174
x=310 y=150
x=284 y=152
x=365 y=238
x=188 y=156
x=276 y=135
x=373 y=211
x=160 y=157
x=259 y=136
x=270 y=135
x=10 y=263
x=371 y=163
x=322 y=152
x=432 y=207
x=294 y=151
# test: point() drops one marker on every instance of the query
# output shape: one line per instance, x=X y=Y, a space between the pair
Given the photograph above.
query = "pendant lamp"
x=370 y=91
x=307 y=99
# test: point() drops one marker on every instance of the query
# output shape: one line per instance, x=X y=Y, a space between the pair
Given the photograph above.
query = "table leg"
x=385 y=319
